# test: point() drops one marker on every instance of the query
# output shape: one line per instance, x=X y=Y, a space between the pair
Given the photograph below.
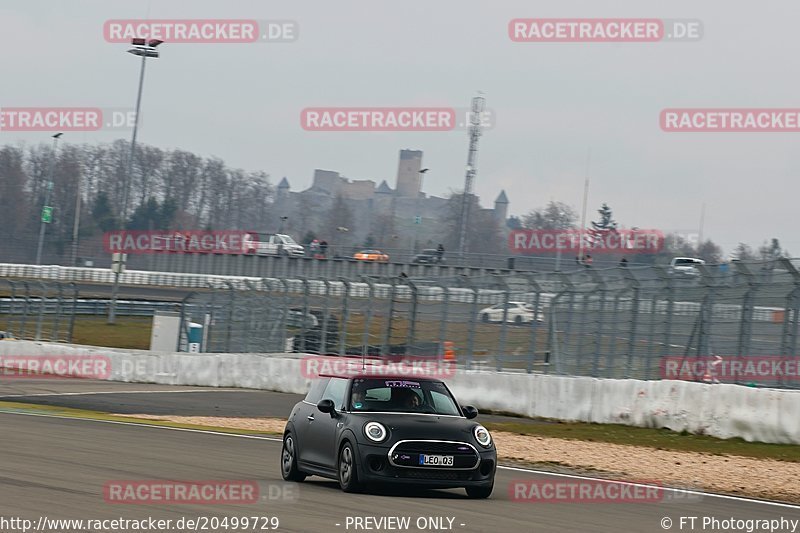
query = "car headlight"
x=375 y=431
x=482 y=436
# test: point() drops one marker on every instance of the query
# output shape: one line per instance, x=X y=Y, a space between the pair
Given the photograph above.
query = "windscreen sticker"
x=403 y=384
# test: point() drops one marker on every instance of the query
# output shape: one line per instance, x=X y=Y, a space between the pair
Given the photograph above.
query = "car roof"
x=367 y=375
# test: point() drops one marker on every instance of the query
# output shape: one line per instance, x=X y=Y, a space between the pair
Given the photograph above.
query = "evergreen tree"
x=102 y=214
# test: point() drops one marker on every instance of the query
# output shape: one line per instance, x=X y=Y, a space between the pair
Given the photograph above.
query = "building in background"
x=390 y=218
x=408 y=179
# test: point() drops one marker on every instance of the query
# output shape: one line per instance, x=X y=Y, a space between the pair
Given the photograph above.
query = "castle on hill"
x=389 y=215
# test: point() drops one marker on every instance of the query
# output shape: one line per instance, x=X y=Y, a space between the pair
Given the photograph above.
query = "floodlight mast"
x=143 y=49
x=476 y=115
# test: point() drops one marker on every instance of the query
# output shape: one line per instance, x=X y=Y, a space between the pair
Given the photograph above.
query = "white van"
x=685 y=266
x=271 y=244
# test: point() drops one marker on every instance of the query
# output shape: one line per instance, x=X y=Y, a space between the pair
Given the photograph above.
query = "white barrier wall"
x=720 y=410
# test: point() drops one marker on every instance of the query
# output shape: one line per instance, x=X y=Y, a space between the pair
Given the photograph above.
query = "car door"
x=321 y=429
x=303 y=417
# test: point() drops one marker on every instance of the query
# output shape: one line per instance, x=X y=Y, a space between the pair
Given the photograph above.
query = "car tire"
x=518 y=320
x=480 y=493
x=485 y=317
x=347 y=470
x=289 y=469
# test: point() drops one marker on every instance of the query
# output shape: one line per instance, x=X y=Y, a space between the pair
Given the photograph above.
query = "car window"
x=443 y=404
x=401 y=396
x=335 y=391
x=317 y=388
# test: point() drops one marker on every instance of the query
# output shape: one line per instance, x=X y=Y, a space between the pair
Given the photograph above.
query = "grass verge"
x=128 y=332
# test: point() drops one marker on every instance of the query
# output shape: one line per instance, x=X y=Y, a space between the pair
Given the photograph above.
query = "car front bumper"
x=374 y=467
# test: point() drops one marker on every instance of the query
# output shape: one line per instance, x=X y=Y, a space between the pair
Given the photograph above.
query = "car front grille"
x=407 y=453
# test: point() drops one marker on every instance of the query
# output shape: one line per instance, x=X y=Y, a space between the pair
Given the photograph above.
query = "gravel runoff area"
x=741 y=476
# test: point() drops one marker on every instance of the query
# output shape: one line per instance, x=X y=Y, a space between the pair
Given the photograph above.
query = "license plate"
x=436 y=460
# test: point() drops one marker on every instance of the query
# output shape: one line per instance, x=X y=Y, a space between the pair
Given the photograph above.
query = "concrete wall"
x=720 y=410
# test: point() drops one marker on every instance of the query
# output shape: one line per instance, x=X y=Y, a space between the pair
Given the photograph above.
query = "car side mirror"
x=326 y=406
x=470 y=412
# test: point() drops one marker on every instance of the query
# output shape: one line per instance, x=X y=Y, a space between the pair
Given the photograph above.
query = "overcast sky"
x=553 y=102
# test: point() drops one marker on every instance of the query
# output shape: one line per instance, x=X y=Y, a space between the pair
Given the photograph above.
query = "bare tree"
x=555 y=215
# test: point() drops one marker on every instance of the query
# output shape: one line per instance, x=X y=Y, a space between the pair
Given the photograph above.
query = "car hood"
x=419 y=427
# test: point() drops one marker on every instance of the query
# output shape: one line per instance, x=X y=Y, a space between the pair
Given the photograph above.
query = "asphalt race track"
x=57 y=467
x=150 y=399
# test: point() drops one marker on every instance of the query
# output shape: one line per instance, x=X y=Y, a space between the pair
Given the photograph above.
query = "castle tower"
x=283 y=190
x=501 y=209
x=408 y=178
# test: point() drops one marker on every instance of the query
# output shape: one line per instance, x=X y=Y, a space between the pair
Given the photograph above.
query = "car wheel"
x=518 y=320
x=348 y=473
x=480 y=493
x=485 y=317
x=289 y=469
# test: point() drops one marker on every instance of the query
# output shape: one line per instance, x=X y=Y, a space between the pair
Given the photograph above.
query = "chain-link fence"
x=36 y=310
x=614 y=323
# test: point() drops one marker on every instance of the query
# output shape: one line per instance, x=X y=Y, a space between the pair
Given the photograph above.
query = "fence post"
x=387 y=334
x=54 y=333
x=635 y=287
x=746 y=323
x=412 y=327
x=791 y=316
x=501 y=346
x=367 y=314
x=26 y=309
x=601 y=287
x=471 y=327
x=303 y=328
x=248 y=334
x=706 y=313
x=74 y=311
x=568 y=288
x=12 y=306
x=535 y=324
x=443 y=321
x=42 y=304
x=323 y=338
x=231 y=314
x=345 y=316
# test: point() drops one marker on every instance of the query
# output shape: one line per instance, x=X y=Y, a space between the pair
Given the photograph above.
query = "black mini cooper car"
x=367 y=430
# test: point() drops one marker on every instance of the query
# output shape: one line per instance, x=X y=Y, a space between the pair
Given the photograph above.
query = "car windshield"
x=686 y=262
x=397 y=395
